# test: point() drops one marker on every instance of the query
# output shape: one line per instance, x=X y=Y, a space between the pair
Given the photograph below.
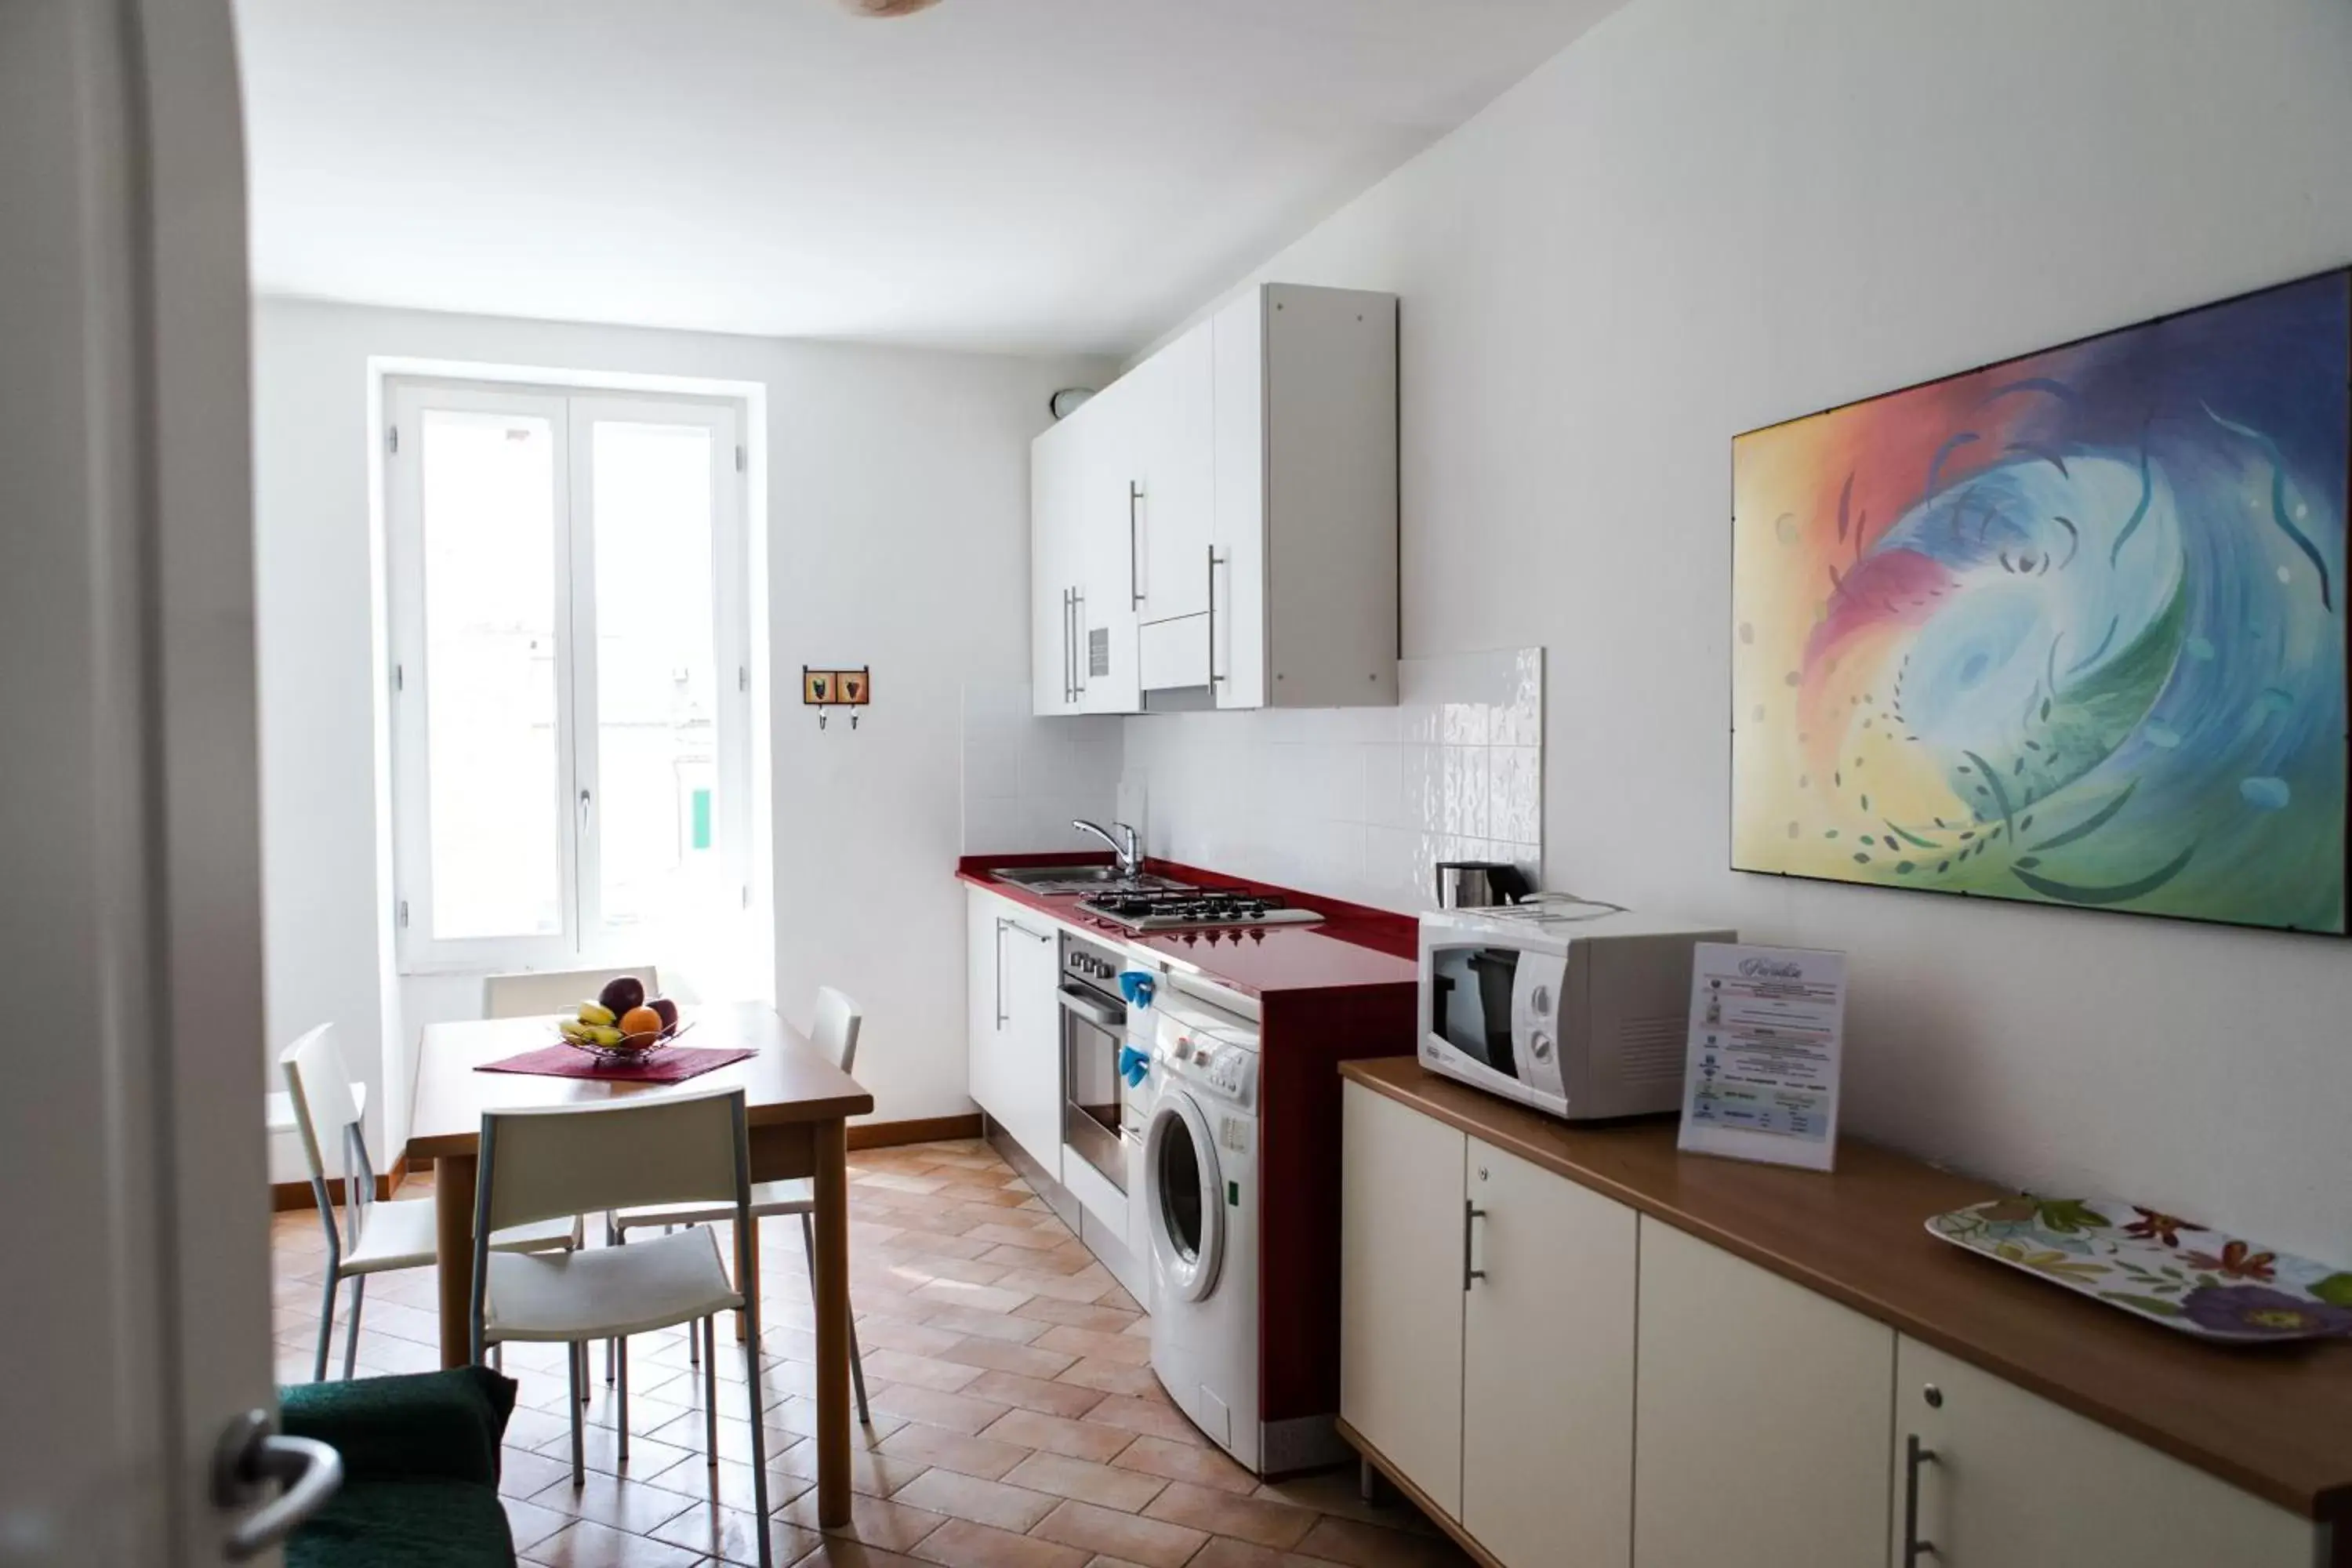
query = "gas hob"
x=1193 y=909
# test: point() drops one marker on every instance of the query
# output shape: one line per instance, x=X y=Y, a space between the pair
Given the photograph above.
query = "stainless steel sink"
x=1051 y=879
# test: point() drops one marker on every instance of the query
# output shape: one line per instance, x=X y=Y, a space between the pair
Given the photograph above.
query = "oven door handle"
x=1100 y=1014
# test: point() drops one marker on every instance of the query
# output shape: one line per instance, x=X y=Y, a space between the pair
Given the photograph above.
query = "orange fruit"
x=641 y=1021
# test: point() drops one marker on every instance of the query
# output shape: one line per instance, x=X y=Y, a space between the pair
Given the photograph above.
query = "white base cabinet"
x=1014 y=1043
x=1760 y=1420
x=2007 y=1480
x=1567 y=1383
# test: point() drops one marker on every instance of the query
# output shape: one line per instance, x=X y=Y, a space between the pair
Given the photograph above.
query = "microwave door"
x=1497 y=971
x=1470 y=1003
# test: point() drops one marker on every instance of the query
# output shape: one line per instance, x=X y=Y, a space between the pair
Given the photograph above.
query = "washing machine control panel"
x=1228 y=1068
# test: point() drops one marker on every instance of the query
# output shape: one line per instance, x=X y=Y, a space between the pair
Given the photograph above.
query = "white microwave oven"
x=1580 y=1010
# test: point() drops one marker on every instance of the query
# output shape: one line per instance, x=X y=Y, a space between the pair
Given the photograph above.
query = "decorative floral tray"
x=2159 y=1267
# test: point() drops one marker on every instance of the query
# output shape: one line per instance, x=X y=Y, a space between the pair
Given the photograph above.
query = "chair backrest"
x=527 y=995
x=837 y=1025
x=320 y=1088
x=582 y=1159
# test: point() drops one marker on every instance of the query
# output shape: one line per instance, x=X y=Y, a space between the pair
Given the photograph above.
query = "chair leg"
x=326 y=1327
x=579 y=1437
x=499 y=1357
x=711 y=1397
x=580 y=1354
x=856 y=1361
x=751 y=1392
x=623 y=1384
x=352 y=1333
x=613 y=1237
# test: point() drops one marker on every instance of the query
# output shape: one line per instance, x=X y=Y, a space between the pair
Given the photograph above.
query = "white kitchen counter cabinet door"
x=2019 y=1482
x=1401 y=1276
x=983 y=992
x=1761 y=1417
x=1032 y=1037
x=1548 y=1368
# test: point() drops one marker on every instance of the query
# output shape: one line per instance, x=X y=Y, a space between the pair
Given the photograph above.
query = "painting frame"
x=2310 y=906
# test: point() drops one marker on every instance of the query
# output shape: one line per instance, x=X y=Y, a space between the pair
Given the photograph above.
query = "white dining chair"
x=838 y=1021
x=376 y=1235
x=540 y=1163
x=534 y=992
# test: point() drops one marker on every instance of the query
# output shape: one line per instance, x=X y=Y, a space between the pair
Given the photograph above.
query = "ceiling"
x=1013 y=174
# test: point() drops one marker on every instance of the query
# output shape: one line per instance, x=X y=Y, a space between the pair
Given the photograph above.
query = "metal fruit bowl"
x=633 y=1048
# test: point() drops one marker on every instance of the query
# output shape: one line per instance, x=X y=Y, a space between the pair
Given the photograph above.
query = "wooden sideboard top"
x=2275 y=1420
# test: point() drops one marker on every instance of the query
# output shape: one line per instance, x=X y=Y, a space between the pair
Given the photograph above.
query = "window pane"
x=656 y=674
x=497 y=815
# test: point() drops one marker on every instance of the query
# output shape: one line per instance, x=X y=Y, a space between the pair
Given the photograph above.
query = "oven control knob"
x=1541 y=1043
x=1540 y=998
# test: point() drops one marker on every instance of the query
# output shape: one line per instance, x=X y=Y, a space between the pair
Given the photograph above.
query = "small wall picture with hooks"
x=823 y=688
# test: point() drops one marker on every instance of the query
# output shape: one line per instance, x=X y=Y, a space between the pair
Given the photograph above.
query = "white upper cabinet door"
x=1174 y=498
x=1237 y=581
x=1548 y=1368
x=2018 y=1482
x=1401 y=1269
x=1115 y=428
x=1761 y=1415
x=1054 y=459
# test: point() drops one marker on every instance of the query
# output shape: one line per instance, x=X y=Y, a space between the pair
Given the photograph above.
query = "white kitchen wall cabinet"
x=1400 y=1277
x=1988 y=1476
x=1218 y=526
x=1547 y=1472
x=1760 y=1418
x=1012 y=969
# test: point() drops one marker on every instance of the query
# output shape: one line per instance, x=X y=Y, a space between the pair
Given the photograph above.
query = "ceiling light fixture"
x=888 y=8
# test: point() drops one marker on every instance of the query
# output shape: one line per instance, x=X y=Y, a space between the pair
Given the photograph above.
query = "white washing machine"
x=1200 y=1209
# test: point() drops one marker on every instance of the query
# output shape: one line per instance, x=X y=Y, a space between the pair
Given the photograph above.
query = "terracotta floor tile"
x=982 y=1456
x=590 y=1545
x=998 y=1503
x=1370 y=1546
x=1079 y=1286
x=1203 y=1467
x=899 y=1334
x=1059 y=1434
x=989 y=1325
x=632 y=1506
x=1118 y=1562
x=892 y=1181
x=600 y=1446
x=1154 y=1417
x=690 y=1479
x=729 y=1535
x=1123 y=1535
x=953 y=1411
x=1335 y=1491
x=1131 y=1349
x=1000 y=1355
x=1223 y=1551
x=922 y=1371
x=797 y=1416
x=871 y=1520
x=529 y=1523
x=1025 y=1236
x=1268 y=1523
x=1110 y=1376
x=959 y=1293
x=1102 y=1485
x=840 y=1551
x=959 y=1543
x=936 y=1244
x=873 y=1474
x=1069 y=1314
x=522 y=1472
x=1035 y=1392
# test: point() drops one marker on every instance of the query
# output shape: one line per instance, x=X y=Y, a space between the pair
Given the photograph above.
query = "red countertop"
x=1355 y=945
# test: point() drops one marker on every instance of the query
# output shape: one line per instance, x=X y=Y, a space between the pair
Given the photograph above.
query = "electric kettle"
x=1479 y=884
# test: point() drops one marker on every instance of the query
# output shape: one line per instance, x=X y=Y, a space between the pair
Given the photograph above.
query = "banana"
x=593 y=1011
x=573 y=1030
x=605 y=1034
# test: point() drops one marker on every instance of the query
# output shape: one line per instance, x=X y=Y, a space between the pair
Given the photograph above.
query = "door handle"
x=1069 y=660
x=1108 y=1019
x=1079 y=619
x=1031 y=935
x=1213 y=563
x=1914 y=1456
x=1471 y=1214
x=248 y=1457
x=1001 y=923
x=1134 y=551
x=584 y=808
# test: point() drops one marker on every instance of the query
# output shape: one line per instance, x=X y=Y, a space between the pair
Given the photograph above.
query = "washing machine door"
x=1185 y=1196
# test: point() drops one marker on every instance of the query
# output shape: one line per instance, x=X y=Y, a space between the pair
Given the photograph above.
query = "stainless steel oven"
x=1094 y=1027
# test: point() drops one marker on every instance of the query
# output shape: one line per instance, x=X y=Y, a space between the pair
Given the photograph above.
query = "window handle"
x=583 y=812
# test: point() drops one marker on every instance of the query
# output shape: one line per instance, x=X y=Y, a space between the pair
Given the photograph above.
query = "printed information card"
x=1760 y=1076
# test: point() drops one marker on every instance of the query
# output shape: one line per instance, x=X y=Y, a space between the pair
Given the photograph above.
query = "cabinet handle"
x=1134 y=554
x=1215 y=562
x=1000 y=971
x=1471 y=1214
x=1079 y=619
x=1914 y=1456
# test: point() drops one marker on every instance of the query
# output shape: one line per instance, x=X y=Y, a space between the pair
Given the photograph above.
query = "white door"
x=2007 y=1480
x=1031 y=1040
x=1237 y=582
x=1176 y=509
x=1055 y=459
x=1546 y=1368
x=1184 y=1193
x=1403 y=1268
x=984 y=1000
x=1115 y=430
x=131 y=1144
x=1760 y=1417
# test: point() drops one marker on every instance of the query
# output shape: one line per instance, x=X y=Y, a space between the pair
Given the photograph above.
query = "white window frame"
x=571 y=412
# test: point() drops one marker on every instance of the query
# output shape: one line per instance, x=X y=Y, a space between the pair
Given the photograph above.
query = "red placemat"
x=674 y=1065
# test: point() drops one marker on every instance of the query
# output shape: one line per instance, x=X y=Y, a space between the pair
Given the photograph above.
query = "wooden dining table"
x=797 y=1105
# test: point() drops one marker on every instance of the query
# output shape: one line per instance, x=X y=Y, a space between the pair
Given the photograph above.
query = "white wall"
x=1025 y=778
x=1702 y=218
x=1356 y=802
x=898 y=485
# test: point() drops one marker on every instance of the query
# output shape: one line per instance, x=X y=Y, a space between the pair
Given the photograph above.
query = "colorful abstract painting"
x=2067 y=629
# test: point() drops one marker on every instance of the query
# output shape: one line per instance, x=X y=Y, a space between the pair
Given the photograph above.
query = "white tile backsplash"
x=1026 y=777
x=1356 y=802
